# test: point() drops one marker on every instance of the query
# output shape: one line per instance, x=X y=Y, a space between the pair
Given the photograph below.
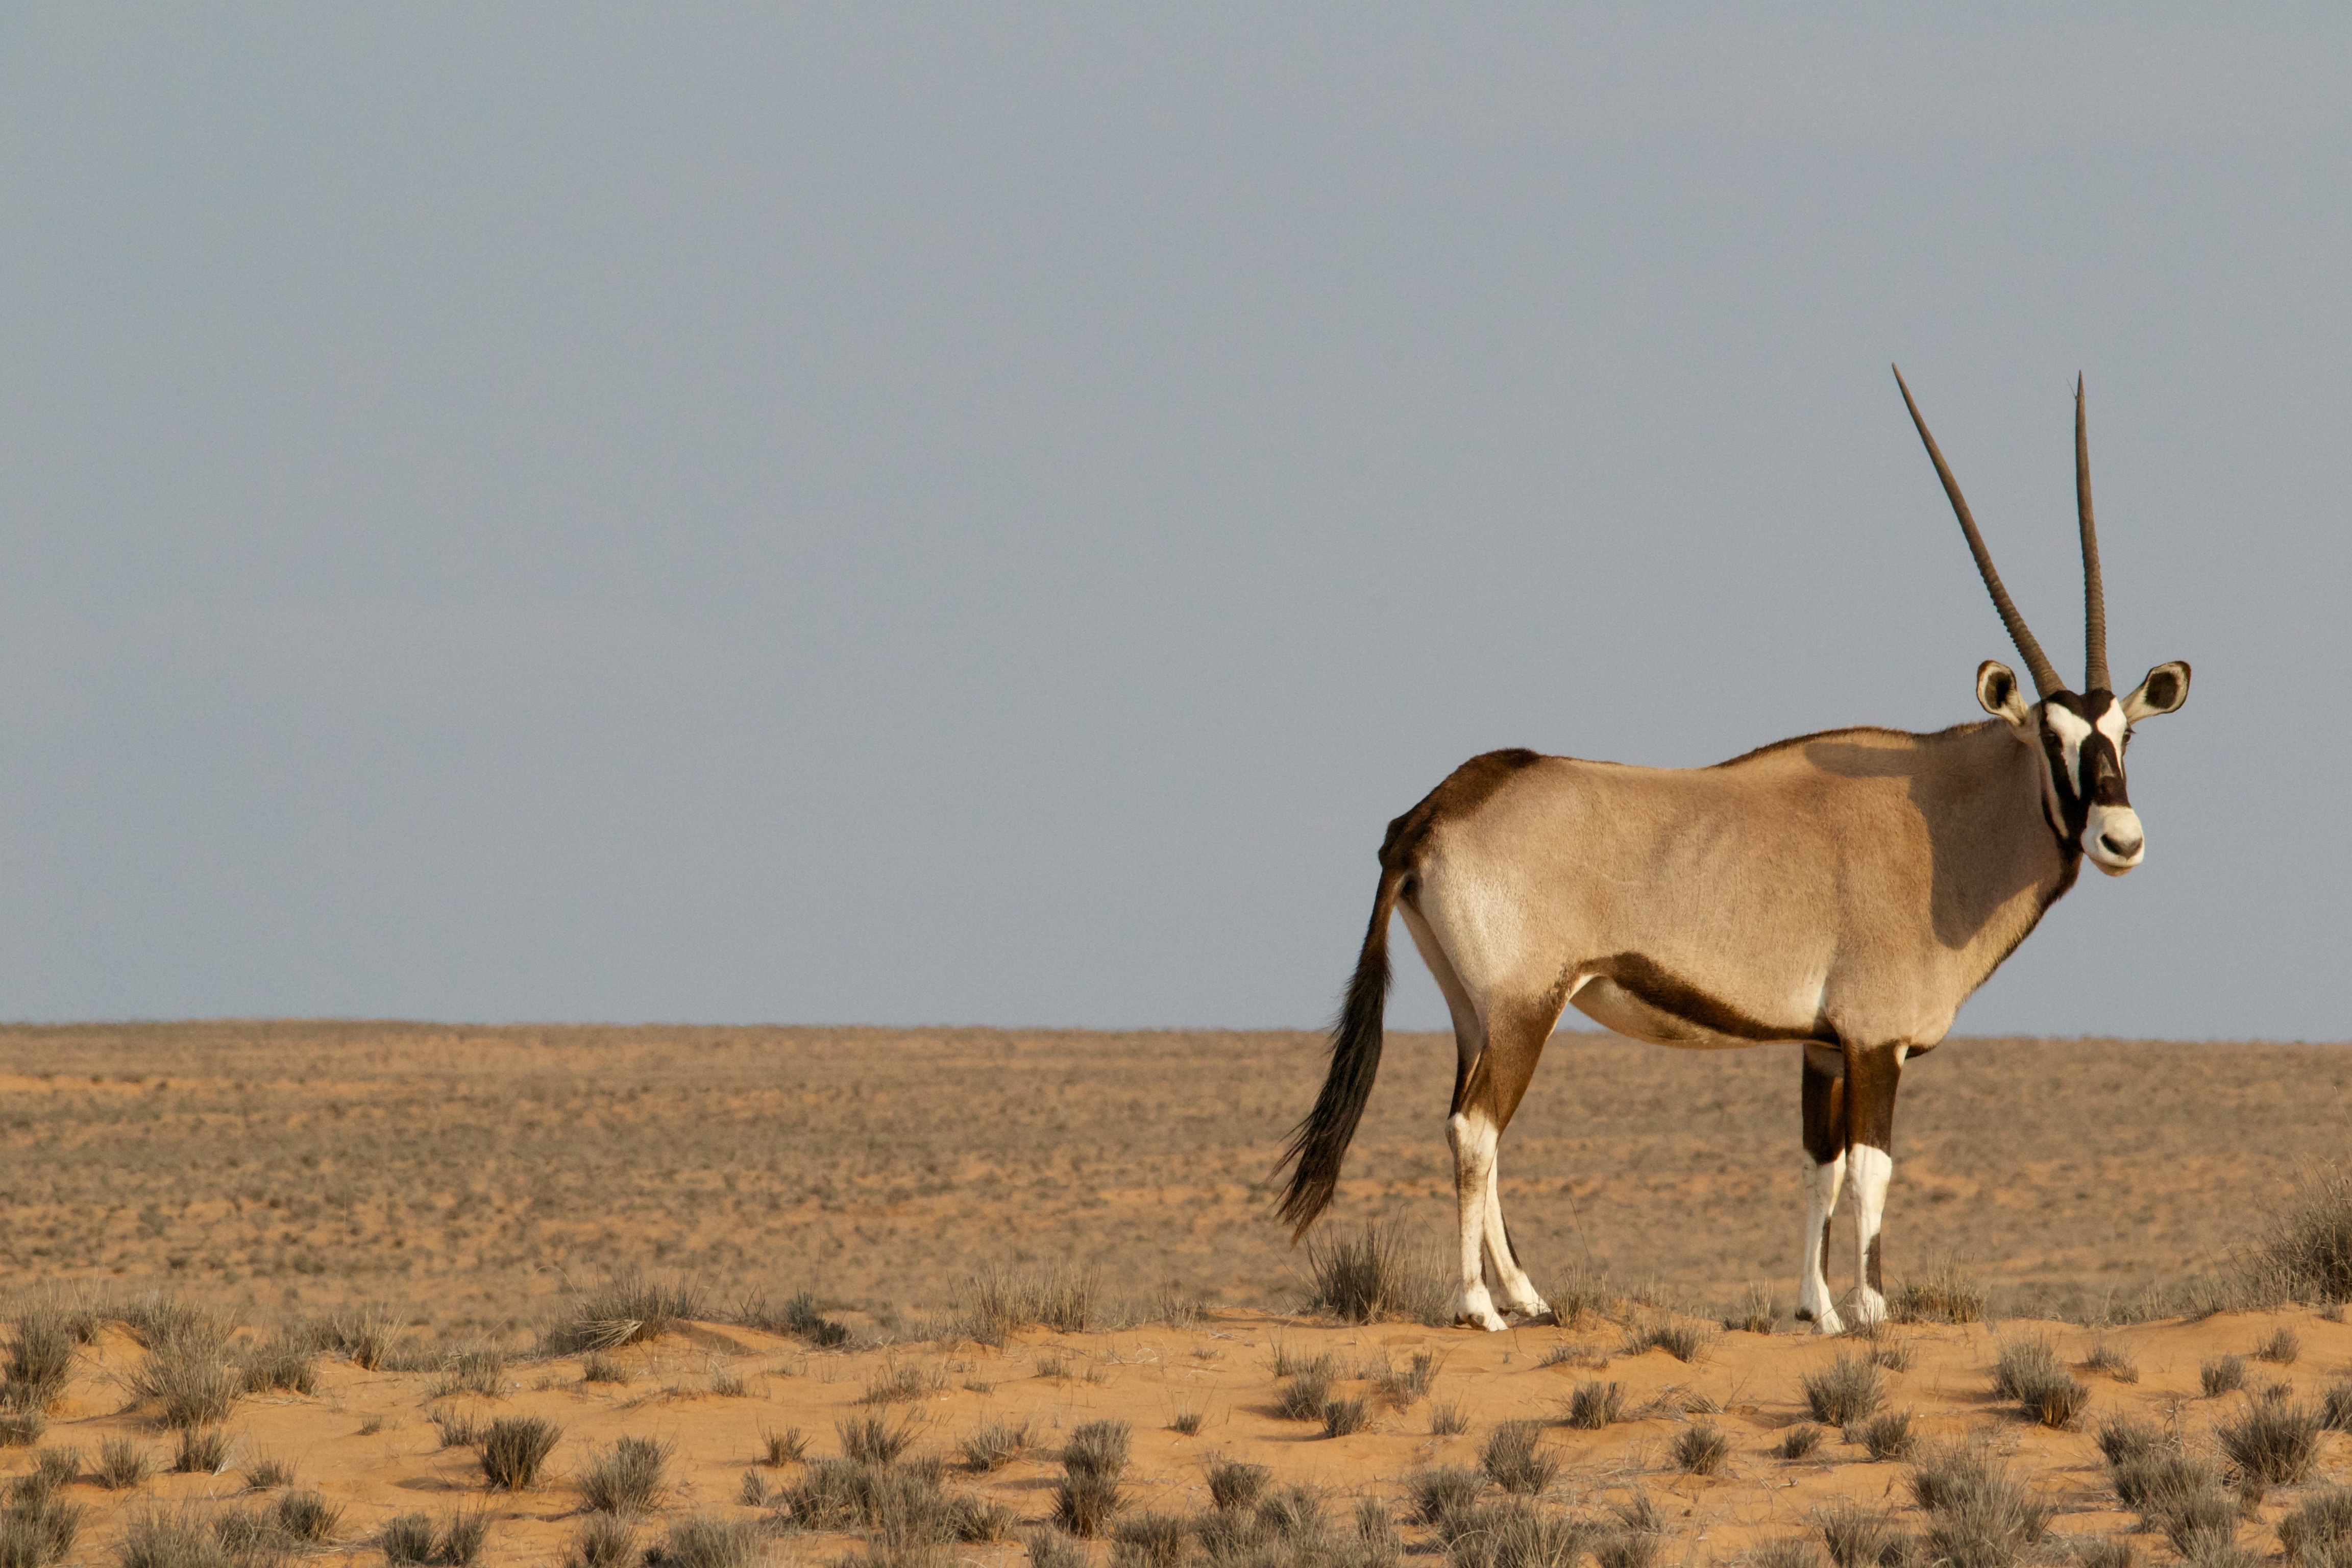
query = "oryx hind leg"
x=1486 y=1099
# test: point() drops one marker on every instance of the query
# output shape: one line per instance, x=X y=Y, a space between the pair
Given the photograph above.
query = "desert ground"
x=819 y=1202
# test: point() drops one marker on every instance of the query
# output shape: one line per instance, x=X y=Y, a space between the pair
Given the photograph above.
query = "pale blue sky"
x=983 y=514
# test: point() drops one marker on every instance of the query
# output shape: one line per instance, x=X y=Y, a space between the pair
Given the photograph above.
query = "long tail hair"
x=1319 y=1143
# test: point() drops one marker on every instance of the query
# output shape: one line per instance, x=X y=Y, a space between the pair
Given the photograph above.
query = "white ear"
x=2164 y=691
x=1997 y=690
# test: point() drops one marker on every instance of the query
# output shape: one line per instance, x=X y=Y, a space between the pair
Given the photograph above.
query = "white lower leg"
x=1872 y=1169
x=1519 y=1292
x=1814 y=1303
x=1474 y=1138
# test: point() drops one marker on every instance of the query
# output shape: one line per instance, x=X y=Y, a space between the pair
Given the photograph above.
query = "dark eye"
x=2128 y=735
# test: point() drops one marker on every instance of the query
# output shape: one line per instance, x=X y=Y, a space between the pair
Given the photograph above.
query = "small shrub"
x=1685 y=1341
x=2319 y=1534
x=995 y=1303
x=1860 y=1537
x=1759 y=1312
x=725 y=1382
x=1346 y=1418
x=703 y=1541
x=1363 y=1277
x=21 y=1428
x=789 y=1446
x=1443 y=1495
x=2106 y=1358
x=1945 y=1296
x=55 y=1467
x=870 y=1440
x=603 y=1541
x=1701 y=1449
x=2275 y=1441
x=1448 y=1420
x=457 y=1427
x=122 y=1463
x=268 y=1474
x=2306 y=1248
x=1891 y=1354
x=1979 y=1516
x=1148 y=1541
x=626 y=1478
x=1097 y=1448
x=307 y=1516
x=40 y=1359
x=462 y=1538
x=1514 y=1461
x=1800 y=1440
x=1051 y=1549
x=2335 y=1407
x=2102 y=1551
x=202 y=1451
x=2029 y=1370
x=1635 y=1539
x=1847 y=1390
x=623 y=1309
x=365 y=1335
x=1404 y=1386
x=995 y=1444
x=1084 y=1502
x=155 y=1539
x=477 y=1369
x=1186 y=1422
x=2122 y=1439
x=2224 y=1375
x=1595 y=1405
x=1786 y=1551
x=899 y=1384
x=284 y=1362
x=1233 y=1484
x=515 y=1447
x=601 y=1368
x=2282 y=1347
x=407 y=1538
x=188 y=1374
x=1885 y=1436
x=1511 y=1533
x=1309 y=1390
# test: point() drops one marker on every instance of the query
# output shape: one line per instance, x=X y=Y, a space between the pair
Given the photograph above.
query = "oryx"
x=1846 y=890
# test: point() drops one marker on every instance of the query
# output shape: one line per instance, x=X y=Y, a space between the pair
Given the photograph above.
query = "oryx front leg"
x=1871 y=1077
x=1825 y=1167
x=1473 y=1136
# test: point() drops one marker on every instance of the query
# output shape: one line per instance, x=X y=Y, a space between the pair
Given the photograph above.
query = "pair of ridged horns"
x=2046 y=682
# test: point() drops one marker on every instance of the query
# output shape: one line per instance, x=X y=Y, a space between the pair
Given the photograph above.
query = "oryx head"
x=2080 y=736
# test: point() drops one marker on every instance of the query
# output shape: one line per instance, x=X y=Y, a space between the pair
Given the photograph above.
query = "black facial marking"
x=2098 y=778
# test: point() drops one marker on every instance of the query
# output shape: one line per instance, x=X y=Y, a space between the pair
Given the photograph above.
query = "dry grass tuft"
x=2106 y=1358
x=2275 y=1440
x=202 y=1451
x=1448 y=1419
x=603 y=1541
x=995 y=1444
x=186 y=1369
x=1945 y=1296
x=2223 y=1374
x=1700 y=1448
x=1404 y=1386
x=2318 y=1533
x=870 y=1440
x=122 y=1464
x=626 y=1478
x=1798 y=1441
x=1233 y=1484
x=2028 y=1370
x=1683 y=1340
x=1758 y=1313
x=1846 y=1391
x=1595 y=1405
x=515 y=1447
x=1858 y=1536
x=995 y=1303
x=2283 y=1345
x=624 y=1308
x=706 y=1541
x=1346 y=1418
x=2305 y=1250
x=1885 y=1436
x=1978 y=1515
x=40 y=1359
x=1375 y=1273
x=1515 y=1461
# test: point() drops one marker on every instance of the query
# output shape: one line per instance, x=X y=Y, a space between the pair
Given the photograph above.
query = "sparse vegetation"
x=2106 y=1358
x=283 y=1362
x=2274 y=1440
x=1886 y=1435
x=1700 y=1448
x=622 y=1310
x=1800 y=1441
x=1448 y=1419
x=186 y=1369
x=306 y=1516
x=995 y=1303
x=2283 y=1345
x=994 y=1444
x=122 y=1464
x=1308 y=1392
x=1858 y=1536
x=1758 y=1313
x=2029 y=1370
x=870 y=1440
x=1515 y=1461
x=1944 y=1296
x=1402 y=1387
x=1373 y=1273
x=2223 y=1374
x=1846 y=1391
x=1978 y=1515
x=515 y=1447
x=1681 y=1338
x=789 y=1446
x=202 y=1451
x=1186 y=1422
x=1344 y=1417
x=1233 y=1484
x=40 y=1359
x=626 y=1478
x=1595 y=1405
x=2305 y=1251
x=2318 y=1533
x=901 y=1382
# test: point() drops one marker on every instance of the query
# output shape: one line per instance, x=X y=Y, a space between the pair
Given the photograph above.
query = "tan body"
x=1847 y=890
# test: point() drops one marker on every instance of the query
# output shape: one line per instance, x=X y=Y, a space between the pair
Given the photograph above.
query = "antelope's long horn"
x=2095 y=595
x=2037 y=663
